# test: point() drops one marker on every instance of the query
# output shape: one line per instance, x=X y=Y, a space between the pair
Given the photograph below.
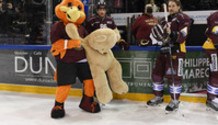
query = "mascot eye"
x=69 y=4
x=79 y=7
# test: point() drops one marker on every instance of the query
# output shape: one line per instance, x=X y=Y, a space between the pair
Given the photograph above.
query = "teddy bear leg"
x=102 y=89
x=115 y=77
x=87 y=103
x=61 y=95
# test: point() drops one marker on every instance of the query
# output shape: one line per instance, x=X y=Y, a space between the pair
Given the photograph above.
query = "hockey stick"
x=170 y=53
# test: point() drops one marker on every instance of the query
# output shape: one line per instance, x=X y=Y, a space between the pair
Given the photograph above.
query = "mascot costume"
x=71 y=61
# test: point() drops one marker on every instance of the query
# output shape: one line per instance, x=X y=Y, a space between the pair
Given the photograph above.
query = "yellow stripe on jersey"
x=215 y=30
x=208 y=44
x=182 y=47
x=184 y=32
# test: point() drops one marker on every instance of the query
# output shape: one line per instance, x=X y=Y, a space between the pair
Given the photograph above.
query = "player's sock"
x=158 y=92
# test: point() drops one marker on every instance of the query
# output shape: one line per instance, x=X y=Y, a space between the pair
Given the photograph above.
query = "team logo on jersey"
x=215 y=30
x=102 y=26
x=184 y=31
x=151 y=22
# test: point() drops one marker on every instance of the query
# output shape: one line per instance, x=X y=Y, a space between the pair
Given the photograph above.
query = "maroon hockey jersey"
x=142 y=26
x=95 y=22
x=58 y=32
x=180 y=24
x=212 y=31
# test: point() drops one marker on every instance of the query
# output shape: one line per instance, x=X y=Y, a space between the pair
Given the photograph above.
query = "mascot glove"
x=122 y=44
x=61 y=46
x=73 y=44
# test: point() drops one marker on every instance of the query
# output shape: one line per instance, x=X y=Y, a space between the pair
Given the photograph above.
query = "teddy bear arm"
x=115 y=77
x=72 y=32
x=117 y=34
x=102 y=88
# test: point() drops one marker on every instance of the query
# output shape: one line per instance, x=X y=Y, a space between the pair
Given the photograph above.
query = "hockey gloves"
x=159 y=34
x=122 y=44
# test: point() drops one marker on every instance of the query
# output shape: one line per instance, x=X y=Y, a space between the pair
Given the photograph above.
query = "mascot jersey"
x=72 y=55
x=179 y=23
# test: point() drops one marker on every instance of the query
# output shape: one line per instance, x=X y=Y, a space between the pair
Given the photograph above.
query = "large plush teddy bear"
x=101 y=59
x=71 y=62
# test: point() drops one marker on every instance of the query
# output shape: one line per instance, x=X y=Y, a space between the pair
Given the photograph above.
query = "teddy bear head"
x=70 y=11
x=102 y=40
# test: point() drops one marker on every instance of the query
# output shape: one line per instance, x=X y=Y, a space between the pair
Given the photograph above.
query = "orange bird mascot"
x=71 y=59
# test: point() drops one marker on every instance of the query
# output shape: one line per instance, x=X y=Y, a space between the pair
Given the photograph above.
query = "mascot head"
x=70 y=11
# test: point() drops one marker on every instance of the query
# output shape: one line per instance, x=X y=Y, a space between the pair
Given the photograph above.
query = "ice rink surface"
x=34 y=109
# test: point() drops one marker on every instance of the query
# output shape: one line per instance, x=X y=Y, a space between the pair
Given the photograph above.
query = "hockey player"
x=172 y=34
x=101 y=20
x=211 y=46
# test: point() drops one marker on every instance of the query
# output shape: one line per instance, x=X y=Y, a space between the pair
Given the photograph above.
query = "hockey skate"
x=173 y=105
x=155 y=101
x=212 y=104
x=58 y=110
x=88 y=104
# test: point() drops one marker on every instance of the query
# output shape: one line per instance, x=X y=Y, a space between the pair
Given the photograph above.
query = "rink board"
x=31 y=69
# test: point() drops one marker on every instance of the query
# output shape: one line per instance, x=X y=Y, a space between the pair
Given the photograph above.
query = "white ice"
x=34 y=109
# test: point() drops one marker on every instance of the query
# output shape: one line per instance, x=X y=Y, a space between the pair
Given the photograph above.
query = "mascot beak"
x=72 y=13
x=64 y=9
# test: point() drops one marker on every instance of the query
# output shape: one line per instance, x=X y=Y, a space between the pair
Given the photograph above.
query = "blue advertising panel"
x=86 y=6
